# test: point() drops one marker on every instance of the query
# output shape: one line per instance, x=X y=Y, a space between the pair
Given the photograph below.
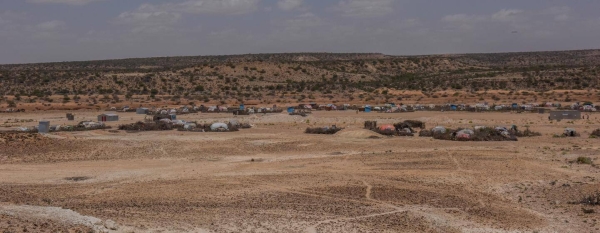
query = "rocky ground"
x=275 y=178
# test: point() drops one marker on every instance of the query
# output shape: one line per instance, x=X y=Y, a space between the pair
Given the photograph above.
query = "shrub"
x=592 y=199
x=486 y=134
x=426 y=133
x=595 y=133
x=584 y=160
x=415 y=124
x=527 y=133
x=147 y=126
x=322 y=130
x=386 y=132
x=405 y=134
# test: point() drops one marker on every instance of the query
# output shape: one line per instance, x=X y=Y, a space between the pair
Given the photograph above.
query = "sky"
x=75 y=30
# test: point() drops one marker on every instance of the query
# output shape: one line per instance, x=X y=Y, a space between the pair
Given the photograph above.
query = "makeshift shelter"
x=219 y=126
x=178 y=122
x=570 y=132
x=70 y=117
x=189 y=126
x=142 y=111
x=108 y=117
x=370 y=124
x=386 y=127
x=166 y=121
x=564 y=115
x=464 y=134
x=90 y=124
x=439 y=129
x=480 y=127
x=44 y=127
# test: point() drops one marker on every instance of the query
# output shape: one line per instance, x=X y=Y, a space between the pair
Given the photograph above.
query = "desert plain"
x=275 y=178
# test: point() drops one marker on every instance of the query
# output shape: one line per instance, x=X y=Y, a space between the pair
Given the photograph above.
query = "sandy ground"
x=275 y=178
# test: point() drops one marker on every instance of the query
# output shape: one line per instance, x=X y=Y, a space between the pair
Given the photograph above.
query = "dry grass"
x=592 y=199
x=527 y=133
x=595 y=133
x=322 y=130
x=147 y=126
x=425 y=133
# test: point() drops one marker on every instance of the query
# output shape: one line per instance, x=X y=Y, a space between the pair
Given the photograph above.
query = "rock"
x=110 y=224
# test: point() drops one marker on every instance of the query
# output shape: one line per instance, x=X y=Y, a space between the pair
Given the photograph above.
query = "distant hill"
x=305 y=76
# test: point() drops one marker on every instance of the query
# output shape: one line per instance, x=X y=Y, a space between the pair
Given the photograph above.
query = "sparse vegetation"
x=584 y=160
x=214 y=78
x=322 y=130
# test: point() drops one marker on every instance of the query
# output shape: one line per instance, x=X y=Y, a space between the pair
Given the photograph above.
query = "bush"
x=595 y=134
x=527 y=133
x=584 y=160
x=147 y=126
x=592 y=199
x=415 y=124
x=485 y=134
x=405 y=134
x=445 y=136
x=386 y=132
x=426 y=133
x=322 y=130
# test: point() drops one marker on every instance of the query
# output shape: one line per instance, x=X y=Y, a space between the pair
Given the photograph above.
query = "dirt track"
x=274 y=178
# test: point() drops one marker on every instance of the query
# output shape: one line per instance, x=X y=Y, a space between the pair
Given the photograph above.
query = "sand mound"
x=357 y=133
x=57 y=214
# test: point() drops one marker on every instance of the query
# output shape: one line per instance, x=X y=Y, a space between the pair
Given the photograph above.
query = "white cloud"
x=306 y=20
x=461 y=18
x=148 y=16
x=364 y=8
x=556 y=10
x=211 y=6
x=288 y=5
x=561 y=17
x=505 y=15
x=559 y=14
x=463 y=21
x=68 y=2
x=52 y=25
x=153 y=18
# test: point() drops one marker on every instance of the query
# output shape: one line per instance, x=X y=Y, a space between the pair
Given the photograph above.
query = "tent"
x=439 y=129
x=570 y=132
x=464 y=134
x=108 y=117
x=217 y=126
x=141 y=111
x=387 y=127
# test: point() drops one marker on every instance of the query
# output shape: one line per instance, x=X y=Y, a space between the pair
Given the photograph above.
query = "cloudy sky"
x=67 y=30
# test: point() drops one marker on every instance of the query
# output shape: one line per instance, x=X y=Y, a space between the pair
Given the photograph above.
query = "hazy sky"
x=66 y=30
